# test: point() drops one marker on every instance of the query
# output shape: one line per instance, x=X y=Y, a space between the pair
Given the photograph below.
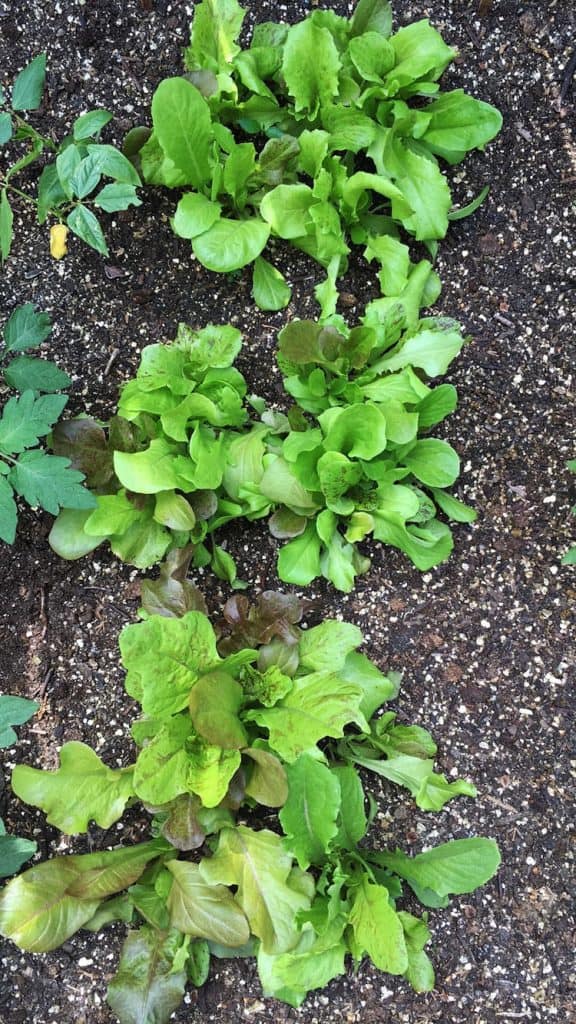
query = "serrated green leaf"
x=38 y=374
x=213 y=35
x=357 y=430
x=144 y=543
x=162 y=769
x=327 y=646
x=149 y=471
x=310 y=66
x=421 y=53
x=26 y=418
x=372 y=16
x=210 y=772
x=48 y=481
x=372 y=55
x=26 y=328
x=29 y=85
x=310 y=965
x=81 y=790
x=426 y=191
x=318 y=705
x=114 y=514
x=377 y=688
x=420 y=972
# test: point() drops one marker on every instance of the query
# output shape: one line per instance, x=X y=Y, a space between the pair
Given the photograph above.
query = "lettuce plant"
x=352 y=459
x=323 y=133
x=26 y=469
x=165 y=469
x=262 y=718
x=14 y=850
x=70 y=188
x=359 y=460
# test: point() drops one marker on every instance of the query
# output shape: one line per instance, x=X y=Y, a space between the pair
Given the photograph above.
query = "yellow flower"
x=58 y=236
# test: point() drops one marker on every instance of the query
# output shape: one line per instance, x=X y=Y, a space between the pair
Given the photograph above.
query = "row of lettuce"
x=255 y=736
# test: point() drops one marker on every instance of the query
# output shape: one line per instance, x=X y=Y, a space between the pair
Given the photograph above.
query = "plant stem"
x=28 y=199
x=24 y=124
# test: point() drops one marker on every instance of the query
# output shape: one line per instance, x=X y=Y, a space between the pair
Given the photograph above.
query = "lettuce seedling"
x=26 y=469
x=353 y=123
x=229 y=732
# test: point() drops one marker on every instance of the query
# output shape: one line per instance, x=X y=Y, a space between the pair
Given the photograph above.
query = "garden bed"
x=484 y=641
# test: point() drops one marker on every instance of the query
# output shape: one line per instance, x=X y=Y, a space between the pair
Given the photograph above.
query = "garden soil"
x=484 y=642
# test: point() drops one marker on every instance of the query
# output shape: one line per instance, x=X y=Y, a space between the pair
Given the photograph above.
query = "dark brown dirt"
x=485 y=642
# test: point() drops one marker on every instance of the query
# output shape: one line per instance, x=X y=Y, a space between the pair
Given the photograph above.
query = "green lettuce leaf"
x=183 y=128
x=260 y=867
x=204 y=909
x=43 y=907
x=327 y=646
x=81 y=790
x=183 y=649
x=310 y=813
x=310 y=66
x=377 y=928
x=319 y=705
x=146 y=988
x=460 y=866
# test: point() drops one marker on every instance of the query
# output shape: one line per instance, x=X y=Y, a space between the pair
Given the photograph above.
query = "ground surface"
x=484 y=641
